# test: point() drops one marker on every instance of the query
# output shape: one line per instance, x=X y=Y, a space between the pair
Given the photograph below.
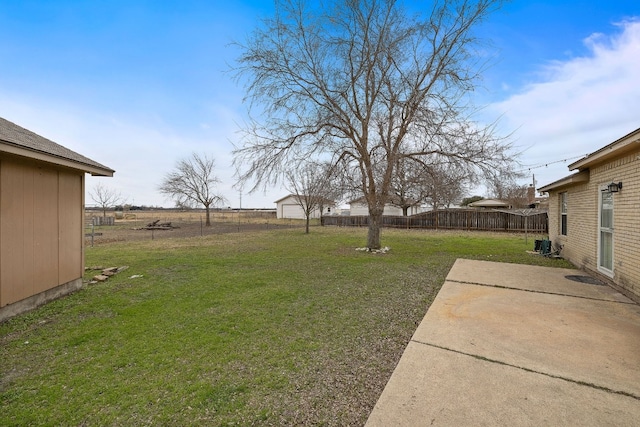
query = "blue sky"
x=137 y=85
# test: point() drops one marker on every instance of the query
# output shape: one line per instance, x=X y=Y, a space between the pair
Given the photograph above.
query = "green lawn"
x=270 y=328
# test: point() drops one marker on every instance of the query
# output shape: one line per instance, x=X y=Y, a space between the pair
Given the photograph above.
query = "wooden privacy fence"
x=534 y=221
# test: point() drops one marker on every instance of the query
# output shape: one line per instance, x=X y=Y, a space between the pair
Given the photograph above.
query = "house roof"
x=489 y=203
x=617 y=148
x=328 y=201
x=19 y=141
x=283 y=198
x=582 y=176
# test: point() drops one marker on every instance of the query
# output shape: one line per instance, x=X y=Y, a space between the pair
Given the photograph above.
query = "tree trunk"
x=375 y=223
x=405 y=210
x=208 y=220
x=307 y=225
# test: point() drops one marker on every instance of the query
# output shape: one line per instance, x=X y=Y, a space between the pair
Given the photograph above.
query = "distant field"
x=130 y=225
x=188 y=216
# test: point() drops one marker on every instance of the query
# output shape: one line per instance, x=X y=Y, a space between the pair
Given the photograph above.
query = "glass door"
x=605 y=250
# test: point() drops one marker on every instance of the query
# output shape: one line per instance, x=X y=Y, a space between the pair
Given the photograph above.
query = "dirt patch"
x=131 y=231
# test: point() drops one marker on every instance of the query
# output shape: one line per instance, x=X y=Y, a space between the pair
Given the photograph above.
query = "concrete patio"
x=518 y=345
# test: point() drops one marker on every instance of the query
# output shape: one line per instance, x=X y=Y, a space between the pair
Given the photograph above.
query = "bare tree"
x=516 y=195
x=331 y=185
x=367 y=83
x=505 y=187
x=193 y=182
x=311 y=184
x=105 y=198
x=447 y=184
x=409 y=185
x=415 y=183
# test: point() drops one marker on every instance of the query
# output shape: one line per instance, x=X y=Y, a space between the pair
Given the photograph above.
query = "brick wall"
x=580 y=246
x=626 y=218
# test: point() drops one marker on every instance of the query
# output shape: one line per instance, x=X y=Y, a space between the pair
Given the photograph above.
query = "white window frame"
x=607 y=272
x=564 y=218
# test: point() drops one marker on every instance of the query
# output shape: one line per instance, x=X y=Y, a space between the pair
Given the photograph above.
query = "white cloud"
x=141 y=148
x=578 y=105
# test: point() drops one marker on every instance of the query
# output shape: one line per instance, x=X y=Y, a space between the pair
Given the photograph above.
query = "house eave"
x=576 y=178
x=489 y=203
x=617 y=148
x=284 y=198
x=17 y=150
x=303 y=197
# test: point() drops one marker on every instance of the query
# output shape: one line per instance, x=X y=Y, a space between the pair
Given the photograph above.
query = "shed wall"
x=41 y=226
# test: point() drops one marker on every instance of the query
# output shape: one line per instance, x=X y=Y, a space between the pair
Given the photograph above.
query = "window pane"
x=606 y=211
x=606 y=250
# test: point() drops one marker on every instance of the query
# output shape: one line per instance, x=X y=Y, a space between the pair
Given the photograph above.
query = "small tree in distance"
x=193 y=181
x=311 y=184
x=105 y=198
x=504 y=187
x=447 y=185
x=408 y=185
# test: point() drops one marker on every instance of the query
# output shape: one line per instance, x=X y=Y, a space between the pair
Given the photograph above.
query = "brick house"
x=41 y=218
x=594 y=214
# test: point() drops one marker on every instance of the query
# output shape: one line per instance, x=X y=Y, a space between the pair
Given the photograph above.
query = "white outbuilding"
x=290 y=207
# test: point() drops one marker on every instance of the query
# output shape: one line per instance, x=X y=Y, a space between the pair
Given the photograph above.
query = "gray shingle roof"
x=13 y=134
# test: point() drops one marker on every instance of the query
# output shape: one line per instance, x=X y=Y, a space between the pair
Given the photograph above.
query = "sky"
x=139 y=85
